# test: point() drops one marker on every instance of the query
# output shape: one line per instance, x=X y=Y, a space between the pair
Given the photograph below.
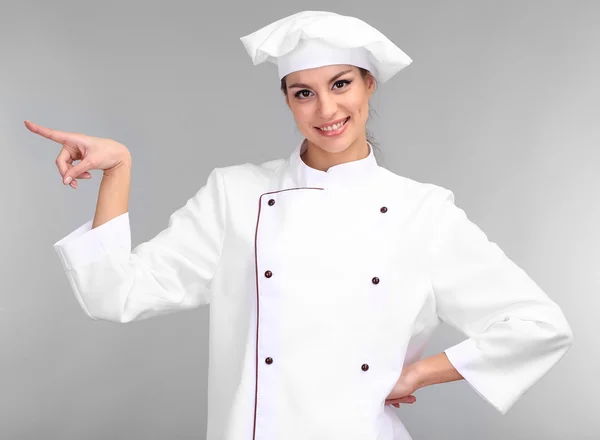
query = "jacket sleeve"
x=516 y=333
x=172 y=271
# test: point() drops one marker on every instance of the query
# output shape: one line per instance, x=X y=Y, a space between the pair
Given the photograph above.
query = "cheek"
x=301 y=113
x=358 y=107
x=303 y=116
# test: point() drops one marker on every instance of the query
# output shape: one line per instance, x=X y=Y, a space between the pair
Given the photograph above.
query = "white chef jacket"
x=322 y=286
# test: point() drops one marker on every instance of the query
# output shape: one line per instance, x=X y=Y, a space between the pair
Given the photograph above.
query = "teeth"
x=333 y=127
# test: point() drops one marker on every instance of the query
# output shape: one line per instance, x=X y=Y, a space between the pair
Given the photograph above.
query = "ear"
x=371 y=85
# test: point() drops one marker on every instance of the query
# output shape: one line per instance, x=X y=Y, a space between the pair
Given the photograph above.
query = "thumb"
x=76 y=170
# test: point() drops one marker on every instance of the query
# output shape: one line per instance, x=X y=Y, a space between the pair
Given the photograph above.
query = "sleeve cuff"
x=86 y=245
x=491 y=386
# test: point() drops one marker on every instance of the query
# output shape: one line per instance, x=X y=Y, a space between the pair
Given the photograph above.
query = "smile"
x=335 y=129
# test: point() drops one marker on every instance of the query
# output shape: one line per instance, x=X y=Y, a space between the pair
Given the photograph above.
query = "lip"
x=334 y=133
x=332 y=122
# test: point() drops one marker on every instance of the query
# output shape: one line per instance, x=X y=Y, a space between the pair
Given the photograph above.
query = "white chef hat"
x=311 y=39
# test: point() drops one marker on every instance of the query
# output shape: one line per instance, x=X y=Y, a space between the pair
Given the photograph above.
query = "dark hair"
x=364 y=73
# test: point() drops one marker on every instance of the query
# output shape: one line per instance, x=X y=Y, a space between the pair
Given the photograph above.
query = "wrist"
x=433 y=370
x=416 y=375
x=122 y=167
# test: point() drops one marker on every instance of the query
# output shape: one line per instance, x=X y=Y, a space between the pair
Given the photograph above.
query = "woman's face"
x=327 y=95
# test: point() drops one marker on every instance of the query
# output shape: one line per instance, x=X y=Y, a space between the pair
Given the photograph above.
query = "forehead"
x=318 y=74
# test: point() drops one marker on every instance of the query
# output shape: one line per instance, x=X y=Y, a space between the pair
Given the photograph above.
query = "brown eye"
x=343 y=82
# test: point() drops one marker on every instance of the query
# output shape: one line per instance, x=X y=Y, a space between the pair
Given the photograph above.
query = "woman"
x=326 y=273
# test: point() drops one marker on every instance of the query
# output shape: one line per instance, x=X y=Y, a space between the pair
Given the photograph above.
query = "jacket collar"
x=345 y=175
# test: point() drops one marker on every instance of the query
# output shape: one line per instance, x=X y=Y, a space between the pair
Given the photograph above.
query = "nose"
x=327 y=106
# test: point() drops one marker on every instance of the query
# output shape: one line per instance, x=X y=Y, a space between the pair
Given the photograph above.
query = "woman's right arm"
x=172 y=271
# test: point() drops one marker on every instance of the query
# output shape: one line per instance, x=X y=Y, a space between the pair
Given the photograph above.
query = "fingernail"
x=68 y=180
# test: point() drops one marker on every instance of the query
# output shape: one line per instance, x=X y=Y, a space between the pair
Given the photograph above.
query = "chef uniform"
x=323 y=285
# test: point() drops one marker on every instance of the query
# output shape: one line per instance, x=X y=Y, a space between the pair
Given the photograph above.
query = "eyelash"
x=297 y=94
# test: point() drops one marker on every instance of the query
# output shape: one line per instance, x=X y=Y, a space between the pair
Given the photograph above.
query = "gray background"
x=501 y=105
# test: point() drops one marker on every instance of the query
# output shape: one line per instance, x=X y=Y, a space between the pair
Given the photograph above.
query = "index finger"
x=62 y=137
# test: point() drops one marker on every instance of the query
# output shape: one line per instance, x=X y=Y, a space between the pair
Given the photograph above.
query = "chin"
x=333 y=145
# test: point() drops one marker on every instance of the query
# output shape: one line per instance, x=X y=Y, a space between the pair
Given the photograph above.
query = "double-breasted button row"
x=383 y=209
x=269 y=361
x=269 y=274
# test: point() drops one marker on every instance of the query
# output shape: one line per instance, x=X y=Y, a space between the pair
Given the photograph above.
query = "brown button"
x=375 y=280
x=268 y=274
x=269 y=361
x=383 y=209
x=271 y=202
x=365 y=367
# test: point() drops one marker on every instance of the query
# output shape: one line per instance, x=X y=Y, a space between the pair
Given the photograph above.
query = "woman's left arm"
x=516 y=333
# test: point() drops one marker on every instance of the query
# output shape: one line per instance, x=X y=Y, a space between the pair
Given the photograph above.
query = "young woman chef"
x=326 y=273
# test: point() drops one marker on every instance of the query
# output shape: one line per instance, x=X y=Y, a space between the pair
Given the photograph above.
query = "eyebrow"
x=331 y=80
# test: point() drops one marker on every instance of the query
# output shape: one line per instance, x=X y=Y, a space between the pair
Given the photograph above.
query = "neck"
x=320 y=159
